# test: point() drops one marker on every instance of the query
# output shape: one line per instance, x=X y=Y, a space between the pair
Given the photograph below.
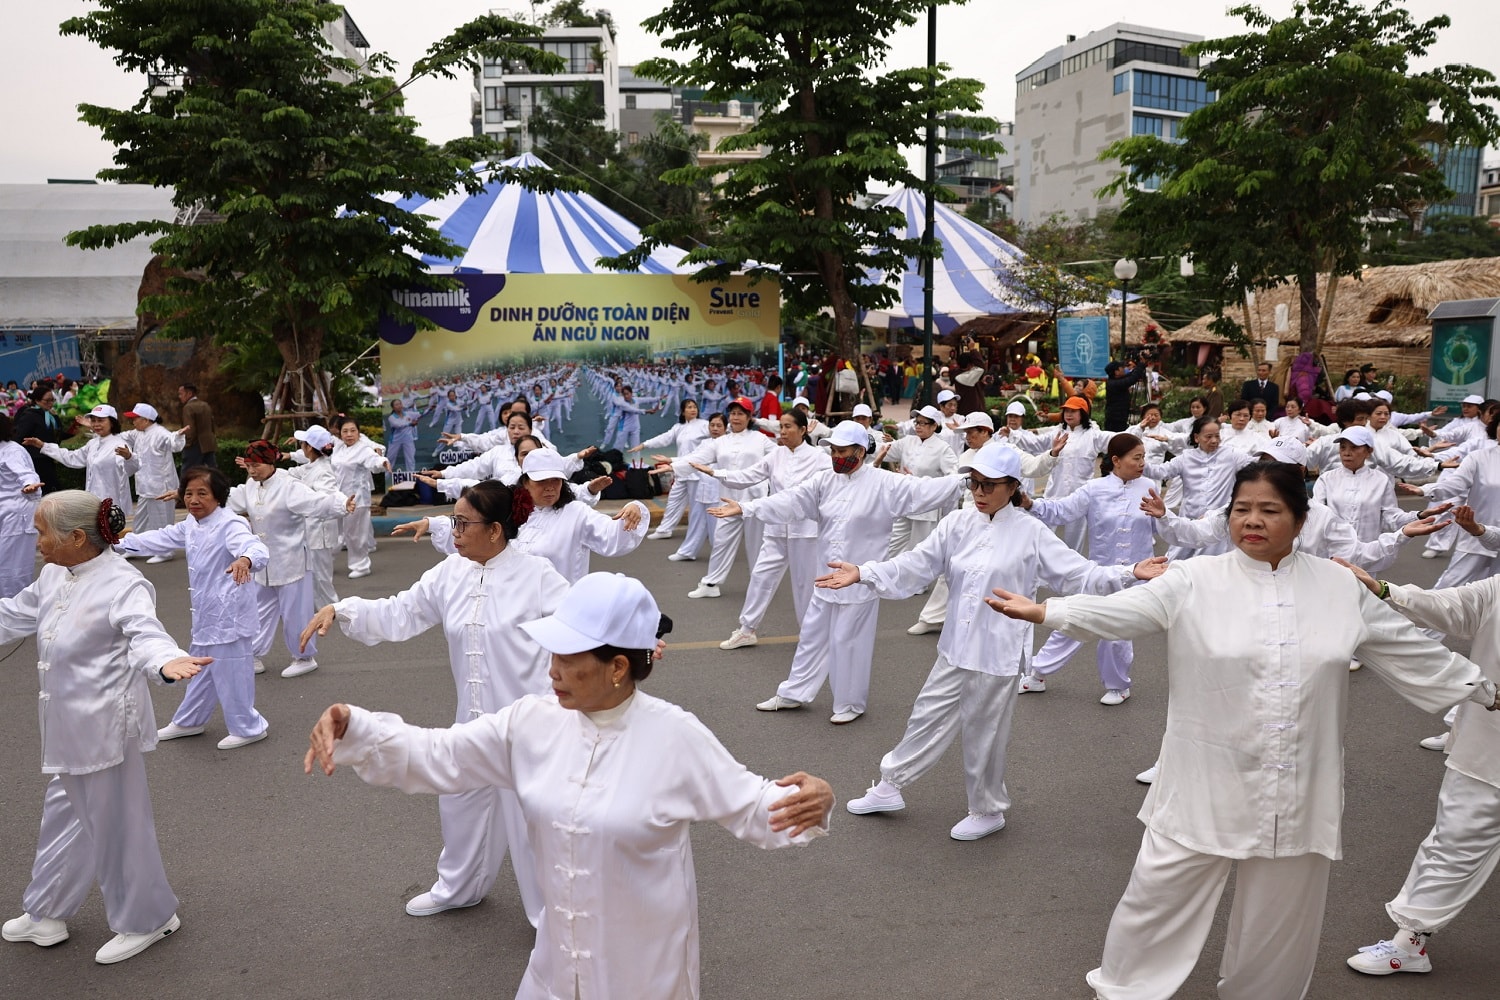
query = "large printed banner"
x=32 y=354
x=1083 y=345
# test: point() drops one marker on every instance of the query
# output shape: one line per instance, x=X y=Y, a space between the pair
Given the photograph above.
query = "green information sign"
x=1460 y=359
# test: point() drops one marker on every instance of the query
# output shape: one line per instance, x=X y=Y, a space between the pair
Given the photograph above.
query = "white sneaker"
x=172 y=731
x=679 y=557
x=260 y=665
x=739 y=637
x=123 y=946
x=776 y=703
x=705 y=590
x=660 y=534
x=42 y=931
x=1115 y=696
x=358 y=574
x=975 y=827
x=158 y=560
x=922 y=628
x=1434 y=742
x=1386 y=957
x=845 y=717
x=232 y=742
x=1353 y=665
x=1429 y=554
x=299 y=667
x=883 y=797
x=423 y=905
x=1148 y=776
x=1033 y=684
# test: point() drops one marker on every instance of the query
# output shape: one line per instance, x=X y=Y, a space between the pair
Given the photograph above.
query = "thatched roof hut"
x=1379 y=316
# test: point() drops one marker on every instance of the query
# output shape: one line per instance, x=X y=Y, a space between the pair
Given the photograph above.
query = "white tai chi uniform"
x=156 y=473
x=981 y=654
x=610 y=833
x=277 y=509
x=854 y=514
x=685 y=437
x=928 y=459
x=322 y=536
x=352 y=468
x=17 y=519
x=98 y=643
x=479 y=606
x=793 y=545
x=224 y=622
x=1475 y=482
x=1366 y=501
x=1207 y=480
x=1077 y=464
x=106 y=474
x=730 y=452
x=1120 y=534
x=1252 y=760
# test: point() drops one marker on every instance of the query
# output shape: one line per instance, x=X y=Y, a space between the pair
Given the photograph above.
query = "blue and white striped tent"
x=966 y=279
x=507 y=229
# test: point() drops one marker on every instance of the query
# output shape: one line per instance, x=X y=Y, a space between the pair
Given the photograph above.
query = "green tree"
x=259 y=122
x=1447 y=237
x=1319 y=125
x=833 y=119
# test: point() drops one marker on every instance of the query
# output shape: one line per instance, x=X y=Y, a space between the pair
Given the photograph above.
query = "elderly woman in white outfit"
x=316 y=470
x=1078 y=462
x=1207 y=472
x=479 y=595
x=973 y=685
x=854 y=505
x=106 y=473
x=739 y=449
x=152 y=446
x=925 y=454
x=686 y=435
x=355 y=458
x=609 y=780
x=20 y=489
x=98 y=644
x=1251 y=770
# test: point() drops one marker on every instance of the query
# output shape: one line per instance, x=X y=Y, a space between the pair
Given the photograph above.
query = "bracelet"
x=1385 y=590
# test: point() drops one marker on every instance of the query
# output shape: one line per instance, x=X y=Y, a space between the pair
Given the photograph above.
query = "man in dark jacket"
x=36 y=420
x=1261 y=387
x=1119 y=376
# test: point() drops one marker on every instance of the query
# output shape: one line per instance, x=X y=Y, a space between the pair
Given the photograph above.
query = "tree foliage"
x=833 y=121
x=257 y=120
x=1448 y=237
x=1319 y=126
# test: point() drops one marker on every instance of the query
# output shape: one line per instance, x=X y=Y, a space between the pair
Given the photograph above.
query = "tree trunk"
x=1308 y=312
x=1327 y=312
x=301 y=397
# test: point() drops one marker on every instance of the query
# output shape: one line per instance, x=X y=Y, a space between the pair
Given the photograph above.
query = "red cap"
x=743 y=402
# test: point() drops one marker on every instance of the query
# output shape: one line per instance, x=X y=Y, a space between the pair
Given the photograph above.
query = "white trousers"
x=17 y=562
x=479 y=827
x=954 y=701
x=677 y=505
x=359 y=538
x=1455 y=860
x=1467 y=567
x=1443 y=540
x=935 y=611
x=699 y=530
x=1159 y=926
x=99 y=827
x=837 y=642
x=486 y=418
x=403 y=455
x=320 y=562
x=228 y=682
x=1114 y=658
x=290 y=605
x=153 y=514
x=728 y=531
x=777 y=555
x=906 y=534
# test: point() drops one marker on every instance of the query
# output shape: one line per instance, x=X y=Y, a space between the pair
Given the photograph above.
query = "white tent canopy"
x=45 y=284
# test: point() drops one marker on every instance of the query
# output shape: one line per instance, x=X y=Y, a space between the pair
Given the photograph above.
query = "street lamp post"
x=1125 y=270
x=927 y=394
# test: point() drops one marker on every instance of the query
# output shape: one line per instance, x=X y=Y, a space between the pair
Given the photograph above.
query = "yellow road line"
x=770 y=640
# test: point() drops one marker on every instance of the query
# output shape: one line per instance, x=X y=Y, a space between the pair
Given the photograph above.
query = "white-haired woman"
x=610 y=781
x=20 y=489
x=98 y=644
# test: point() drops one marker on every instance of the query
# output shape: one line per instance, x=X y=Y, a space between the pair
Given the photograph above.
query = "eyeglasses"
x=461 y=523
x=984 y=487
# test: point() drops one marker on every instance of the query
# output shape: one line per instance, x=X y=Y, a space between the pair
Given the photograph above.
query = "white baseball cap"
x=863 y=410
x=931 y=413
x=849 y=433
x=802 y=401
x=1016 y=408
x=1474 y=400
x=142 y=410
x=601 y=609
x=946 y=395
x=994 y=461
x=1356 y=435
x=1287 y=449
x=103 y=410
x=544 y=463
x=316 y=436
x=977 y=419
x=1385 y=394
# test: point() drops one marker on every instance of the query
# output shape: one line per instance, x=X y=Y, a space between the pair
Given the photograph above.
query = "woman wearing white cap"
x=610 y=781
x=479 y=595
x=855 y=506
x=322 y=536
x=1359 y=494
x=973 y=685
x=355 y=458
x=926 y=455
x=950 y=420
x=792 y=546
x=737 y=450
x=1252 y=760
x=1476 y=483
x=106 y=472
x=687 y=434
x=152 y=446
x=816 y=429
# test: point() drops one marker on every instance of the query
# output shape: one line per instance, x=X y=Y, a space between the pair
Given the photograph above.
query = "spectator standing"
x=1120 y=376
x=200 y=444
x=1261 y=387
x=37 y=420
x=970 y=386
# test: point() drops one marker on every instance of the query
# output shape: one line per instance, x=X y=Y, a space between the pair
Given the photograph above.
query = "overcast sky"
x=46 y=76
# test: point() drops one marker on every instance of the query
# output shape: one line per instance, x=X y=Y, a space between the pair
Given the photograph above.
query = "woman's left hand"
x=599 y=485
x=31 y=487
x=630 y=516
x=168 y=495
x=1441 y=508
x=1371 y=584
x=123 y=452
x=184 y=667
x=843 y=575
x=803 y=809
x=1150 y=569
x=1015 y=606
x=240 y=570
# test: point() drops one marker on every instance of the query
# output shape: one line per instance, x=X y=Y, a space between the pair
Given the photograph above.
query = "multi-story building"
x=1084 y=95
x=642 y=101
x=1462 y=166
x=507 y=94
x=1489 y=194
x=973 y=177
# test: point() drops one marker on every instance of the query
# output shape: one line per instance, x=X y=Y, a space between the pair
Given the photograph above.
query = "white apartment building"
x=507 y=94
x=1079 y=98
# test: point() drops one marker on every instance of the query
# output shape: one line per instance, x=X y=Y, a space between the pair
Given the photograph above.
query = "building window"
x=1157 y=125
x=632 y=138
x=630 y=102
x=1164 y=55
x=1122 y=82
x=1168 y=92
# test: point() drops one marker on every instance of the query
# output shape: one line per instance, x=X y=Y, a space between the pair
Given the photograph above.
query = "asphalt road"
x=293 y=886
